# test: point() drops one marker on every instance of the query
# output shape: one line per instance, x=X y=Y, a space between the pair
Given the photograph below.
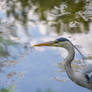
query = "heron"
x=83 y=78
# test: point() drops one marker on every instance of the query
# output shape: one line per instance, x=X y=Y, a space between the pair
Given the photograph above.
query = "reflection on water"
x=12 y=53
x=40 y=69
x=62 y=16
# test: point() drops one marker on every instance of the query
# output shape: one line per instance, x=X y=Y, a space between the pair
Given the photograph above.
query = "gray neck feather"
x=77 y=77
x=71 y=53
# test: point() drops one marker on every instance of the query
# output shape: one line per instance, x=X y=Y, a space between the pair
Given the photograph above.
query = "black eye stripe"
x=62 y=39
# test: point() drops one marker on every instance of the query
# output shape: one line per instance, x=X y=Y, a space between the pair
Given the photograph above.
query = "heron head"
x=61 y=42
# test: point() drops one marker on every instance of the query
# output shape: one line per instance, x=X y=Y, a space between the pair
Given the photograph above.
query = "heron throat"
x=68 y=60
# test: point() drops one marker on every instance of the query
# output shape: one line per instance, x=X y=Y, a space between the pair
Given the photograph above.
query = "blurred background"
x=26 y=22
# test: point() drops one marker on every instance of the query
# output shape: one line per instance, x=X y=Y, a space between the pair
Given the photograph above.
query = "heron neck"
x=71 y=53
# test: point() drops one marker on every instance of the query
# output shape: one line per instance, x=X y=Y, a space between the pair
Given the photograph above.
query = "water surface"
x=24 y=68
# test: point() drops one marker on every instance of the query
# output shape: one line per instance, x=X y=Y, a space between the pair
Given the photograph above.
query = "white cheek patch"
x=61 y=44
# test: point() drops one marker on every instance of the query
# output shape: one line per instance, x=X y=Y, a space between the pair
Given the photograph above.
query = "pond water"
x=24 y=68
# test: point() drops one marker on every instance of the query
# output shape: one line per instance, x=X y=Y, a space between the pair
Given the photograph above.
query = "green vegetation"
x=6 y=42
x=10 y=89
x=72 y=12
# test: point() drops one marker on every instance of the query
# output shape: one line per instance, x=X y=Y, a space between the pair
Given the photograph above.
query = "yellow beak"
x=43 y=44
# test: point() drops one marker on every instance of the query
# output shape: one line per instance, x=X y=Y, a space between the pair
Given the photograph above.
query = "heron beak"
x=43 y=44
